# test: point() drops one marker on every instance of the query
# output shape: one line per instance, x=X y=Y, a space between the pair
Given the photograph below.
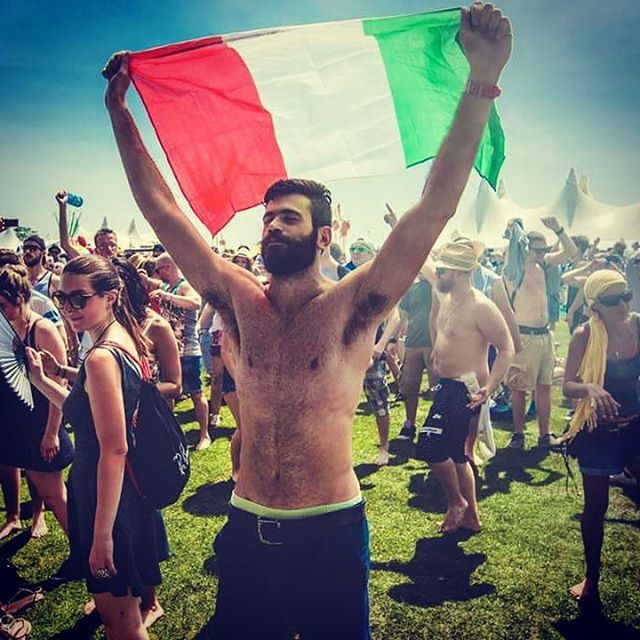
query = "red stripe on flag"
x=207 y=114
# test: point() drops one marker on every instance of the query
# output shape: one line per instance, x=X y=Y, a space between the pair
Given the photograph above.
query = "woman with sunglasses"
x=165 y=368
x=602 y=373
x=112 y=531
x=32 y=439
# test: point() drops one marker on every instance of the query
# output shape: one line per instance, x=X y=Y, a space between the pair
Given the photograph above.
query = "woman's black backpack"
x=158 y=456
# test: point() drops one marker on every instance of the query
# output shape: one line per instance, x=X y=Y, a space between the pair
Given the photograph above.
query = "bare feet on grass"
x=89 y=607
x=454 y=516
x=149 y=616
x=204 y=443
x=382 y=459
x=9 y=527
x=471 y=522
x=585 y=590
x=39 y=527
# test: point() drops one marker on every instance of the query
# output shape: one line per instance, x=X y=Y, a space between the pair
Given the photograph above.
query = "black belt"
x=533 y=331
x=272 y=531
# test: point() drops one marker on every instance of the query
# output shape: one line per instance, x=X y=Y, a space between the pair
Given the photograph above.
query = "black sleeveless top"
x=137 y=548
x=621 y=380
x=22 y=429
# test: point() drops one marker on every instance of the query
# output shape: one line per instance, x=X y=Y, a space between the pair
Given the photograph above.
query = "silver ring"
x=103 y=573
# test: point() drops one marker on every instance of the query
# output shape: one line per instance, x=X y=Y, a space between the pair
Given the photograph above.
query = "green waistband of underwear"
x=291 y=514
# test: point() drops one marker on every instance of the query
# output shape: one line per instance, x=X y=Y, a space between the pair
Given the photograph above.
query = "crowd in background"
x=183 y=337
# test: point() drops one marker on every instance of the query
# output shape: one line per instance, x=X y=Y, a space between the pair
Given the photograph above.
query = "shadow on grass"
x=364 y=470
x=83 y=629
x=594 y=624
x=631 y=523
x=426 y=493
x=222 y=432
x=633 y=493
x=511 y=465
x=209 y=499
x=185 y=417
x=11 y=546
x=192 y=437
x=440 y=571
x=401 y=450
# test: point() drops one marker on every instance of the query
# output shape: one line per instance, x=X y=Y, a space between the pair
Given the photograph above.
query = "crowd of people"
x=290 y=333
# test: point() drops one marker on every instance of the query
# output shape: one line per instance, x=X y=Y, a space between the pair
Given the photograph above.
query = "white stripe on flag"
x=326 y=88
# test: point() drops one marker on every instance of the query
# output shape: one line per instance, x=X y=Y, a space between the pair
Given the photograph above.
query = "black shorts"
x=446 y=428
x=228 y=383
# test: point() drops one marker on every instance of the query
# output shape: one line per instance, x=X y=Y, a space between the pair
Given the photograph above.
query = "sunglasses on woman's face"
x=615 y=299
x=359 y=249
x=76 y=300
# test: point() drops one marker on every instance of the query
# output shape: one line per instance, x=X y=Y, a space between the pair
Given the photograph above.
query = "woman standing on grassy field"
x=602 y=372
x=30 y=438
x=111 y=529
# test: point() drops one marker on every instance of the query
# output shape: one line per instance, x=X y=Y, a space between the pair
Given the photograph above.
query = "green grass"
x=509 y=581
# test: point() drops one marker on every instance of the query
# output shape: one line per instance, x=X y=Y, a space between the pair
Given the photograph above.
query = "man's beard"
x=292 y=256
x=32 y=262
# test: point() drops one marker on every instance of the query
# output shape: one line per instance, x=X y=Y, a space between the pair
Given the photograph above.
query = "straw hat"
x=460 y=256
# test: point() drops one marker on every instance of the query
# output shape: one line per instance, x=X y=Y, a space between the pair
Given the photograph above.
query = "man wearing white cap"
x=466 y=324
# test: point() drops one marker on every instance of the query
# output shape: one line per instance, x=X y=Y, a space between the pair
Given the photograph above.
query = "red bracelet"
x=479 y=90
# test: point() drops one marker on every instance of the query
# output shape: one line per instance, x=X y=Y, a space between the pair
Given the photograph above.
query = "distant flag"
x=336 y=100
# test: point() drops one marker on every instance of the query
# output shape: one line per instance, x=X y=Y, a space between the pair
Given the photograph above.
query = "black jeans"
x=278 y=578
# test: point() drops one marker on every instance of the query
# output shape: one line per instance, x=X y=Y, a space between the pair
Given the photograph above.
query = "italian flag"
x=335 y=100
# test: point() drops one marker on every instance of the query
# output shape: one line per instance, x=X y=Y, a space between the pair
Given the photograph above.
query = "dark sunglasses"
x=615 y=299
x=440 y=271
x=541 y=251
x=9 y=296
x=76 y=301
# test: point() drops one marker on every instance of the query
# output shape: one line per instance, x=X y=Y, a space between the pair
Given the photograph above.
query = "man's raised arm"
x=203 y=269
x=63 y=226
x=485 y=36
x=568 y=249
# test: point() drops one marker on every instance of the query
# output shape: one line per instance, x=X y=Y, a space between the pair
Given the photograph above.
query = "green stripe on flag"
x=427 y=72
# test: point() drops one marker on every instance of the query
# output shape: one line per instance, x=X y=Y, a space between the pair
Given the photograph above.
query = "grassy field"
x=509 y=581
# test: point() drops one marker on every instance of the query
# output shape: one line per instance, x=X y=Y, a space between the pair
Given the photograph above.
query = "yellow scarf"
x=594 y=362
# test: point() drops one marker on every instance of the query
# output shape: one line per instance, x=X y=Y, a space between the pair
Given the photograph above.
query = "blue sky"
x=571 y=97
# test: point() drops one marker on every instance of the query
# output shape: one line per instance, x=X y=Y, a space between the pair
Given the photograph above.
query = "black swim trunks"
x=228 y=383
x=446 y=428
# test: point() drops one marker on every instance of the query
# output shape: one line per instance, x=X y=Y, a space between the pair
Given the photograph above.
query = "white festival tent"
x=133 y=239
x=575 y=207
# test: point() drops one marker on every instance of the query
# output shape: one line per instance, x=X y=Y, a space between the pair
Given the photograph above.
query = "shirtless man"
x=294 y=555
x=532 y=368
x=466 y=324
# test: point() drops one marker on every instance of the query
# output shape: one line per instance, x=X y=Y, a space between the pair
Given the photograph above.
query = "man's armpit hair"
x=367 y=307
x=222 y=305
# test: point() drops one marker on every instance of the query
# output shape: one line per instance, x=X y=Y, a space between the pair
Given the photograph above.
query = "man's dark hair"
x=101 y=232
x=36 y=239
x=319 y=195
